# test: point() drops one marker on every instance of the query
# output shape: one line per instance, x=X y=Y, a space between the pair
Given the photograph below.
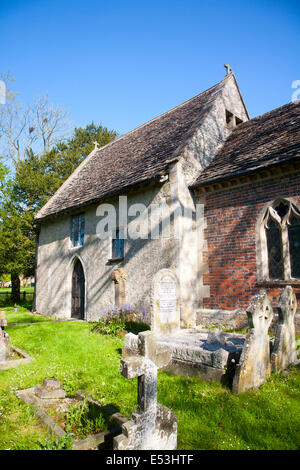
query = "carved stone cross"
x=96 y=145
x=153 y=426
x=228 y=69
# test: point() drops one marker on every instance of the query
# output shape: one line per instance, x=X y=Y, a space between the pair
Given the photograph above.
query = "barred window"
x=282 y=233
x=77 y=233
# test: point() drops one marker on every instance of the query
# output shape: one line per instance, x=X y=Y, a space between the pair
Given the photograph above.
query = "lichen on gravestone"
x=284 y=350
x=51 y=389
x=254 y=366
x=153 y=426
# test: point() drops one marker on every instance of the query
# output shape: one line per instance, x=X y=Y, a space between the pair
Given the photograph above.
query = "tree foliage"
x=35 y=180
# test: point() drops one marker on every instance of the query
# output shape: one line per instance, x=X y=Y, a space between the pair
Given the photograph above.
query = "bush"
x=127 y=318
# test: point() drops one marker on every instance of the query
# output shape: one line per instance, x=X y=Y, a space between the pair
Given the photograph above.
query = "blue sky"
x=121 y=63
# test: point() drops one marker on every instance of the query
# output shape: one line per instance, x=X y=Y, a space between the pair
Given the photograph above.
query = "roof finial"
x=96 y=145
x=228 y=69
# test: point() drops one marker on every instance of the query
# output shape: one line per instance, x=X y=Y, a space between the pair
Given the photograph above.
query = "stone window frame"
x=261 y=240
x=231 y=119
x=112 y=240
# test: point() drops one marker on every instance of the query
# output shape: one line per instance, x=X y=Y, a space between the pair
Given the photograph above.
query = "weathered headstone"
x=4 y=339
x=284 y=350
x=254 y=366
x=4 y=346
x=51 y=389
x=165 y=303
x=153 y=426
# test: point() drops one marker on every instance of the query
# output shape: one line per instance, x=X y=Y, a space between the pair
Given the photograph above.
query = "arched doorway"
x=78 y=291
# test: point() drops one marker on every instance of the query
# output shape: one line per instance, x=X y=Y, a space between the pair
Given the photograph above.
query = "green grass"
x=22 y=289
x=23 y=316
x=209 y=415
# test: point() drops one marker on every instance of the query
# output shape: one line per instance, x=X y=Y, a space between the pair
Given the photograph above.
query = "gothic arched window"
x=280 y=241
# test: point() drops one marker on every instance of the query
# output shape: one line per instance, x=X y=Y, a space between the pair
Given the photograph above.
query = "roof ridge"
x=259 y=116
x=160 y=116
x=96 y=151
x=282 y=139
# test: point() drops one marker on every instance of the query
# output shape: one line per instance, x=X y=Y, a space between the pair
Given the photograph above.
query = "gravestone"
x=51 y=389
x=254 y=366
x=165 y=303
x=153 y=426
x=4 y=346
x=4 y=339
x=284 y=350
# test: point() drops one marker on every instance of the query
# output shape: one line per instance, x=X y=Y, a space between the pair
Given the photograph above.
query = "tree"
x=36 y=179
x=38 y=126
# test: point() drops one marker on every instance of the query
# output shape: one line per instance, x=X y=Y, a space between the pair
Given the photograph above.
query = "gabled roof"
x=267 y=140
x=141 y=155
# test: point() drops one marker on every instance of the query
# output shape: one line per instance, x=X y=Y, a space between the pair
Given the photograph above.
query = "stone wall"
x=56 y=258
x=143 y=257
x=231 y=217
x=199 y=151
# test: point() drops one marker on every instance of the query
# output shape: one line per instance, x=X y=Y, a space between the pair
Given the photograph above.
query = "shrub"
x=113 y=321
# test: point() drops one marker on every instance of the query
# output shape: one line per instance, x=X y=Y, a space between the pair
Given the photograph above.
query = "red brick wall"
x=231 y=221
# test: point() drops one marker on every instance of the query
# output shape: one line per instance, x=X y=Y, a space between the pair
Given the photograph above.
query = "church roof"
x=141 y=155
x=267 y=140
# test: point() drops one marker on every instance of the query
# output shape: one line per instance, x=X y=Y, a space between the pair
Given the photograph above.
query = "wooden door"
x=78 y=291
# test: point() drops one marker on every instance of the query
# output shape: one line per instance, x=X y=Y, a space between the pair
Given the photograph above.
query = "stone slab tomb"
x=10 y=356
x=52 y=396
x=209 y=354
x=194 y=351
x=152 y=426
x=254 y=367
x=284 y=350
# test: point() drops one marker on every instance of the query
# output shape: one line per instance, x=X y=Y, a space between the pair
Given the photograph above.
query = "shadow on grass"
x=9 y=304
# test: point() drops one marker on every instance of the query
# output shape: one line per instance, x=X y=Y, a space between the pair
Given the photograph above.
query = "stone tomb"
x=165 y=303
x=51 y=405
x=10 y=356
x=153 y=426
x=209 y=354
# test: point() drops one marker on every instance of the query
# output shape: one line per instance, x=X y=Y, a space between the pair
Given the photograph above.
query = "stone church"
x=231 y=189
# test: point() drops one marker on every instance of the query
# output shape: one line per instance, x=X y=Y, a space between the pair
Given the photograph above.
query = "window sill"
x=113 y=260
x=275 y=283
x=74 y=248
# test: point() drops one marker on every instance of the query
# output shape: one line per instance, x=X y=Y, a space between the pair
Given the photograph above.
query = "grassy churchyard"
x=209 y=415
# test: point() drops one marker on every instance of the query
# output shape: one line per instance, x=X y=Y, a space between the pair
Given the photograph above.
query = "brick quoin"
x=231 y=217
